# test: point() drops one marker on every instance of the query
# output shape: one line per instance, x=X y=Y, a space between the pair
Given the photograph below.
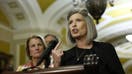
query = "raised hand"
x=56 y=54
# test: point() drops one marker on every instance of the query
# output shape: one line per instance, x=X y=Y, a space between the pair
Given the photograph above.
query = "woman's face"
x=35 y=47
x=77 y=26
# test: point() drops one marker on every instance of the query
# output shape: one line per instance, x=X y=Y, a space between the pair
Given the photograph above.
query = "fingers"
x=57 y=52
x=58 y=45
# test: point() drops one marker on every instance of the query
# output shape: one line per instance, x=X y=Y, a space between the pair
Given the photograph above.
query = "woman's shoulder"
x=20 y=68
x=102 y=47
x=104 y=44
x=24 y=66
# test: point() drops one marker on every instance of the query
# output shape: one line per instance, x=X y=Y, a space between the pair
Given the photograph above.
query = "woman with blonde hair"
x=34 y=47
x=97 y=57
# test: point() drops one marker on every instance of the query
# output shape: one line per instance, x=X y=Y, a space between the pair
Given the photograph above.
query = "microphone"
x=46 y=53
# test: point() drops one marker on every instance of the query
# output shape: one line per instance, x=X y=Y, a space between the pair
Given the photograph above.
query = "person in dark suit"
x=48 y=38
x=97 y=57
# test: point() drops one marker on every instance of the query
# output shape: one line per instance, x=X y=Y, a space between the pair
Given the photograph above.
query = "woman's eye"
x=32 y=45
x=70 y=22
x=79 y=20
x=39 y=44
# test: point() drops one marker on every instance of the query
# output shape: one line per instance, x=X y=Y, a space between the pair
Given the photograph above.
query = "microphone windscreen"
x=46 y=53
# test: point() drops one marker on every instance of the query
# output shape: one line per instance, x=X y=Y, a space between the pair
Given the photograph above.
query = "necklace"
x=79 y=56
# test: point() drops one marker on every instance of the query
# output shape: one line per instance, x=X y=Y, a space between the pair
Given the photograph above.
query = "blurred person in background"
x=34 y=47
x=48 y=38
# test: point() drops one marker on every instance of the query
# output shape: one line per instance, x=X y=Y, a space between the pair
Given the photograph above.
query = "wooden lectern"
x=60 y=70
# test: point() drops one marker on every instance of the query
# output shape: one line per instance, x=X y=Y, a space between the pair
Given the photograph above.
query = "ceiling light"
x=129 y=38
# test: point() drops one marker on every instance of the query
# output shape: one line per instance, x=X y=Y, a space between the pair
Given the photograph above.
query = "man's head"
x=50 y=37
